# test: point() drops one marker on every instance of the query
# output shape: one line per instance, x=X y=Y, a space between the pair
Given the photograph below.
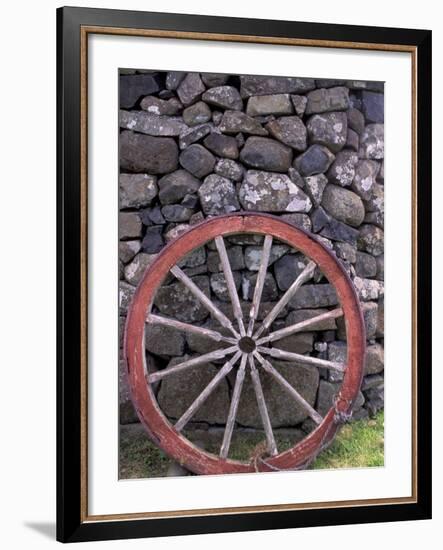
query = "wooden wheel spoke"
x=298 y=327
x=306 y=359
x=229 y=277
x=207 y=357
x=201 y=398
x=259 y=283
x=186 y=327
x=272 y=446
x=289 y=389
x=227 y=436
x=305 y=275
x=221 y=317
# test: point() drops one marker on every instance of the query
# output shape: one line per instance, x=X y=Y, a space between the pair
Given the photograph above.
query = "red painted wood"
x=160 y=430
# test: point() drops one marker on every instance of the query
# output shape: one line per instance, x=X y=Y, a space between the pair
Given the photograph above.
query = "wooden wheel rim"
x=159 y=428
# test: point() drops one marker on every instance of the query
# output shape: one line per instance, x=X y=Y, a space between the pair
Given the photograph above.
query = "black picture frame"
x=72 y=525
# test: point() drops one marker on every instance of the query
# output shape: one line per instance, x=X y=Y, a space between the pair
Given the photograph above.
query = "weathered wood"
x=271 y=316
x=186 y=327
x=198 y=402
x=298 y=327
x=229 y=277
x=259 y=283
x=206 y=358
x=162 y=432
x=306 y=359
x=227 y=436
x=221 y=317
x=272 y=446
x=289 y=389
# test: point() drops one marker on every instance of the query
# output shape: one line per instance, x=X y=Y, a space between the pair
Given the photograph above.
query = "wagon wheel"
x=247 y=346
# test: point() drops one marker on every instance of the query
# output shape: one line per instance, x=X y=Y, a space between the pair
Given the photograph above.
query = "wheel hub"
x=246 y=344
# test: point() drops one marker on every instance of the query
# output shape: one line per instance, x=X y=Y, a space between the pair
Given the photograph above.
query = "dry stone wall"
x=307 y=150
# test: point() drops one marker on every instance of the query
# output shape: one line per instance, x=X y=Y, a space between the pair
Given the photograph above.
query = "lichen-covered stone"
x=229 y=169
x=194 y=134
x=314 y=186
x=235 y=257
x=127 y=250
x=214 y=79
x=299 y=102
x=328 y=129
x=173 y=79
x=129 y=225
x=268 y=191
x=217 y=196
x=368 y=289
x=157 y=106
x=125 y=295
x=224 y=97
x=270 y=291
x=266 y=85
x=141 y=153
x=290 y=130
x=177 y=213
x=288 y=268
x=342 y=170
x=152 y=125
x=327 y=99
x=136 y=190
x=190 y=89
x=219 y=286
x=372 y=142
x=136 y=269
x=253 y=255
x=365 y=265
x=266 y=154
x=276 y=104
x=371 y=239
x=364 y=180
x=234 y=122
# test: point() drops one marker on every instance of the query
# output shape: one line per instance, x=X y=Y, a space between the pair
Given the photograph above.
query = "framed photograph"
x=232 y=352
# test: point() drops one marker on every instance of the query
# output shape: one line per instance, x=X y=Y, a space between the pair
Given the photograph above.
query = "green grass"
x=357 y=445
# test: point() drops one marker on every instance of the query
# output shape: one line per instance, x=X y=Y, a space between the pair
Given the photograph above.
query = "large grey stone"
x=194 y=134
x=289 y=130
x=136 y=190
x=315 y=160
x=365 y=265
x=373 y=106
x=199 y=113
x=327 y=392
x=299 y=102
x=219 y=286
x=277 y=104
x=288 y=268
x=300 y=342
x=282 y=409
x=153 y=240
x=178 y=391
x=327 y=99
x=177 y=213
x=270 y=291
x=314 y=296
x=176 y=301
x=266 y=154
x=224 y=97
x=235 y=257
x=202 y=344
x=299 y=220
x=356 y=120
x=157 y=106
x=197 y=160
x=370 y=316
x=267 y=85
x=372 y=142
x=342 y=170
x=375 y=359
x=129 y=225
x=190 y=89
x=217 y=196
x=173 y=79
x=133 y=87
x=344 y=205
x=214 y=79
x=368 y=289
x=271 y=192
x=136 y=269
x=328 y=129
x=152 y=125
x=234 y=122
x=221 y=145
x=175 y=186
x=141 y=153
x=162 y=340
x=371 y=239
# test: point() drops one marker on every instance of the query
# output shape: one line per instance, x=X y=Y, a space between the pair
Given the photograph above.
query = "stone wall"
x=309 y=151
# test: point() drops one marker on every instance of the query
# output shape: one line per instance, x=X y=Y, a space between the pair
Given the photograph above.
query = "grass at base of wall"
x=359 y=444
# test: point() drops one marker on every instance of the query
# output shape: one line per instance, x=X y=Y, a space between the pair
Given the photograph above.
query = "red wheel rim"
x=162 y=433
